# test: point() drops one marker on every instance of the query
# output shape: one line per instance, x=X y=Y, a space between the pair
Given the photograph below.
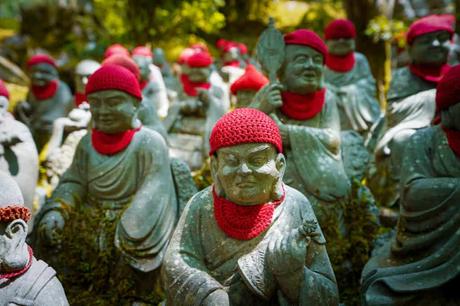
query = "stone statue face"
x=113 y=111
x=341 y=46
x=41 y=74
x=244 y=97
x=12 y=242
x=3 y=106
x=248 y=174
x=231 y=55
x=451 y=117
x=196 y=74
x=431 y=48
x=302 y=71
x=143 y=63
x=159 y=57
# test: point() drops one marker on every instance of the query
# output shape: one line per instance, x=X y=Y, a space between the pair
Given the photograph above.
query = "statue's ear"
x=281 y=164
x=17 y=228
x=214 y=170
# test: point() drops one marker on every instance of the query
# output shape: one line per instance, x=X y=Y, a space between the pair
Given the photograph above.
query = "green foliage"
x=381 y=28
x=320 y=13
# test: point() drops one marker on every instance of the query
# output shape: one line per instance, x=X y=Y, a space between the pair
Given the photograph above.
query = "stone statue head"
x=82 y=72
x=114 y=95
x=244 y=97
x=143 y=57
x=246 y=87
x=247 y=164
x=447 y=101
x=231 y=53
x=13 y=226
x=429 y=40
x=303 y=66
x=159 y=58
x=42 y=69
x=340 y=37
x=199 y=67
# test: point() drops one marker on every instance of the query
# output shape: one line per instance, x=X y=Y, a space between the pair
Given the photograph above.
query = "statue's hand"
x=50 y=228
x=269 y=98
x=217 y=298
x=286 y=254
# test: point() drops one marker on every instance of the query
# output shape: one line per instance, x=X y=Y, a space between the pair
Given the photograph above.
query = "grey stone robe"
x=422 y=262
x=201 y=258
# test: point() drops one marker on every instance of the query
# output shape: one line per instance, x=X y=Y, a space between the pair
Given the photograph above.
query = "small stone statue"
x=248 y=239
x=115 y=49
x=121 y=174
x=420 y=265
x=191 y=119
x=24 y=280
x=18 y=154
x=48 y=99
x=232 y=62
x=348 y=74
x=246 y=87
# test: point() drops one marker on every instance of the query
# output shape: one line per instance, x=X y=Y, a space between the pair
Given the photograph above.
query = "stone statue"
x=248 y=239
x=171 y=81
x=115 y=49
x=232 y=63
x=419 y=266
x=246 y=87
x=18 y=154
x=348 y=74
x=192 y=117
x=24 y=280
x=48 y=99
x=120 y=174
x=152 y=83
x=147 y=111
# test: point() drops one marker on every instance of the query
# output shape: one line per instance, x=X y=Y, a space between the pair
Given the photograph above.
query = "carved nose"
x=436 y=43
x=244 y=169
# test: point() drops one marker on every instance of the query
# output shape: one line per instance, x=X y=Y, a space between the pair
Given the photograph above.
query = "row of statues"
x=296 y=146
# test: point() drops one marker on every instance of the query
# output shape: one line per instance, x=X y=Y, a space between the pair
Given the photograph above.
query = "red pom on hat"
x=124 y=61
x=199 y=60
x=41 y=58
x=250 y=80
x=114 y=77
x=115 y=49
x=3 y=90
x=307 y=38
x=340 y=28
x=244 y=125
x=142 y=51
x=429 y=24
x=448 y=89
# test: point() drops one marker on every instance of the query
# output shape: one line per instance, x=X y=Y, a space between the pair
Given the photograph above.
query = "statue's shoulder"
x=149 y=139
x=296 y=200
x=200 y=202
x=361 y=58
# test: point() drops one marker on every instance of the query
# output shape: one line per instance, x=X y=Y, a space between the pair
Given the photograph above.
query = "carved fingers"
x=51 y=227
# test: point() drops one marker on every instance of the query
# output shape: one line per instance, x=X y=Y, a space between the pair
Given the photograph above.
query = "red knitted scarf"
x=431 y=74
x=190 y=88
x=110 y=144
x=13 y=274
x=340 y=63
x=234 y=63
x=45 y=92
x=303 y=107
x=243 y=222
x=453 y=139
x=79 y=98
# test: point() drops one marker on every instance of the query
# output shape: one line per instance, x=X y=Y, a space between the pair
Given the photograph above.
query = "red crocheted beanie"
x=244 y=125
x=448 y=89
x=307 y=38
x=243 y=48
x=114 y=77
x=199 y=60
x=340 y=28
x=142 y=51
x=185 y=55
x=250 y=80
x=429 y=24
x=115 y=49
x=124 y=61
x=3 y=90
x=40 y=59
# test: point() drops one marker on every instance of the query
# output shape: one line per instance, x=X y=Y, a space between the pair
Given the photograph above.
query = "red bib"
x=243 y=222
x=340 y=63
x=110 y=144
x=45 y=92
x=431 y=74
x=234 y=63
x=190 y=88
x=303 y=107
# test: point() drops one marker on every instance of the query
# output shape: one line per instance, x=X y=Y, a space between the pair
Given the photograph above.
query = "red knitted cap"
x=429 y=24
x=448 y=89
x=124 y=61
x=142 y=51
x=114 y=77
x=185 y=55
x=250 y=80
x=199 y=60
x=3 y=90
x=115 y=49
x=229 y=45
x=41 y=58
x=202 y=47
x=340 y=28
x=307 y=38
x=244 y=125
x=221 y=43
x=243 y=49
